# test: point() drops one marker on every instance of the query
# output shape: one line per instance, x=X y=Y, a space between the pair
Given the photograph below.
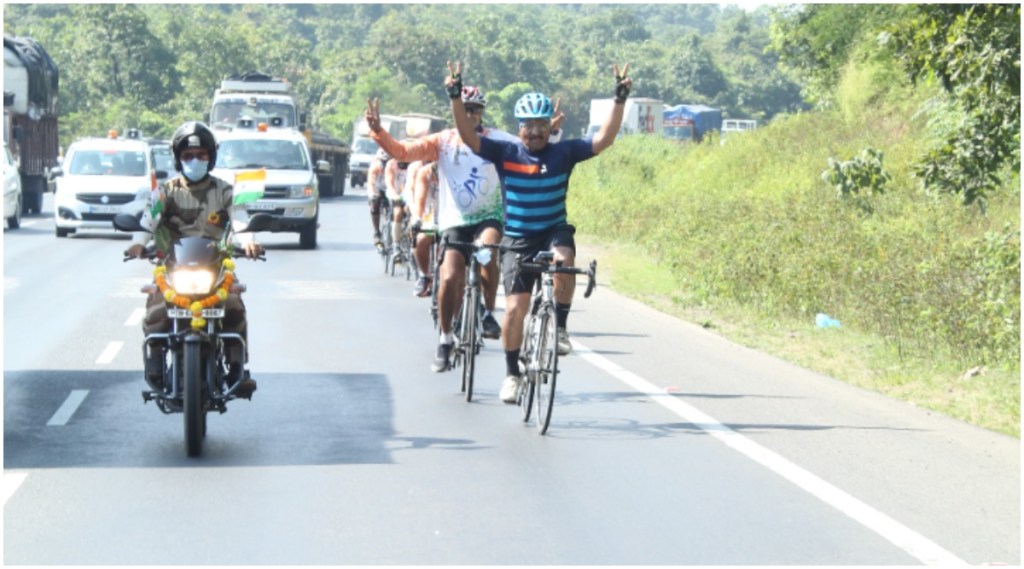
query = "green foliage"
x=745 y=225
x=814 y=41
x=169 y=58
x=973 y=51
x=863 y=172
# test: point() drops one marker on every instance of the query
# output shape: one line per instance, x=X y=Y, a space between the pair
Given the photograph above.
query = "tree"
x=973 y=52
x=814 y=41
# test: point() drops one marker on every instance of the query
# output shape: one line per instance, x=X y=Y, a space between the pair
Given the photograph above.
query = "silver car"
x=101 y=177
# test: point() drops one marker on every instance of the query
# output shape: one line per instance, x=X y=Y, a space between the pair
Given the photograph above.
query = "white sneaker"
x=510 y=389
x=564 y=346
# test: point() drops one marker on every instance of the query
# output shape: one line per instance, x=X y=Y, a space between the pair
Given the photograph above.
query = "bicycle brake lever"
x=591 y=279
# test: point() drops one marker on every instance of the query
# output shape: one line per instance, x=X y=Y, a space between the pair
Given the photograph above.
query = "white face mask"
x=195 y=170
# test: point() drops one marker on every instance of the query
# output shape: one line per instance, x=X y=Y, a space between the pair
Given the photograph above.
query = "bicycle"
x=402 y=251
x=385 y=234
x=539 y=355
x=469 y=321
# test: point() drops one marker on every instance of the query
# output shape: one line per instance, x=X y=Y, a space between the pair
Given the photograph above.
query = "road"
x=668 y=444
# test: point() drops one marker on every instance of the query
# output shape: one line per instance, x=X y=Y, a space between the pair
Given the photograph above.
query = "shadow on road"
x=293 y=419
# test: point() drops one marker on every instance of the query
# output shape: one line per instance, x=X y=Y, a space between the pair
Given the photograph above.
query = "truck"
x=641 y=116
x=271 y=101
x=737 y=125
x=30 y=116
x=364 y=148
x=421 y=124
x=690 y=123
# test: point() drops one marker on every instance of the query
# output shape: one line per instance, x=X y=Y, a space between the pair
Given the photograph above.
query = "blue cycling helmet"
x=534 y=106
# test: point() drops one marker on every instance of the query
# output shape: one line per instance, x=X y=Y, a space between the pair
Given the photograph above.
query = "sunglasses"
x=474 y=110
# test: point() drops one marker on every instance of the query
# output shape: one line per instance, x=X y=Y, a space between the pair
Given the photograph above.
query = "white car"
x=101 y=177
x=12 y=190
x=291 y=193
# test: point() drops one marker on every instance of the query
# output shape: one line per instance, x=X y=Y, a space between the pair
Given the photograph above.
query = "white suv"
x=101 y=177
x=291 y=194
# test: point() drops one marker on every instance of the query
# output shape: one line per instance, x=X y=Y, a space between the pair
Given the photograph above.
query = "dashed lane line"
x=10 y=483
x=137 y=315
x=109 y=352
x=898 y=534
x=68 y=408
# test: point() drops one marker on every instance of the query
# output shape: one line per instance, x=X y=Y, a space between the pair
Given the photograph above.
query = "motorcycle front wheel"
x=193 y=401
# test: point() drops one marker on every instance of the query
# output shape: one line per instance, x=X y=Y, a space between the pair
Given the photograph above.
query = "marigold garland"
x=196 y=306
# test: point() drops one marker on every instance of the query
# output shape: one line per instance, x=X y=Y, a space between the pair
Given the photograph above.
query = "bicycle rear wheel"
x=547 y=367
x=469 y=339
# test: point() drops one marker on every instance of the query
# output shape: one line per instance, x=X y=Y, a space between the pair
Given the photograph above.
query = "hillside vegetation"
x=748 y=237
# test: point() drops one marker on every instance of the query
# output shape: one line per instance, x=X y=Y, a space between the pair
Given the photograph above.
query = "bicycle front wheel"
x=547 y=368
x=527 y=363
x=469 y=338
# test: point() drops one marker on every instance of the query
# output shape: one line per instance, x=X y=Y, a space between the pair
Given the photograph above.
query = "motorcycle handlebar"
x=149 y=255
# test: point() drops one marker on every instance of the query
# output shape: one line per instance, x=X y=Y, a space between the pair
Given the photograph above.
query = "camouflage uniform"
x=192 y=210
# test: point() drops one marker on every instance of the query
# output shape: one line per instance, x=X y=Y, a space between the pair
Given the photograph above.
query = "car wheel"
x=14 y=221
x=61 y=232
x=307 y=236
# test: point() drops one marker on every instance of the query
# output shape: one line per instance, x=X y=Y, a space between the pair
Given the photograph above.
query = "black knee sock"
x=562 y=313
x=512 y=362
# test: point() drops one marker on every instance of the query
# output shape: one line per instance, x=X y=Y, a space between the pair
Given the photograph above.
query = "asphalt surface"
x=668 y=444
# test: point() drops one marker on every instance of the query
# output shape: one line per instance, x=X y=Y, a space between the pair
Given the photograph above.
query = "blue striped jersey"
x=534 y=185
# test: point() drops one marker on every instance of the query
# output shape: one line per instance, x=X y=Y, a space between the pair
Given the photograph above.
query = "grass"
x=990 y=400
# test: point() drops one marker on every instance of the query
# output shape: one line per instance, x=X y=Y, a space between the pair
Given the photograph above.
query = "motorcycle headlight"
x=192 y=281
x=300 y=192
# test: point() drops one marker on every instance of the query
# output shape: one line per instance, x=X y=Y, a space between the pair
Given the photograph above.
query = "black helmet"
x=190 y=135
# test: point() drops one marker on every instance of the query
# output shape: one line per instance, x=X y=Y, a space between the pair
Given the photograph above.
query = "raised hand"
x=373 y=114
x=622 y=83
x=453 y=82
x=558 y=117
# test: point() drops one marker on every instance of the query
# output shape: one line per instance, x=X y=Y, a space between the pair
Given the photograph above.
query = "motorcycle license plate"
x=185 y=313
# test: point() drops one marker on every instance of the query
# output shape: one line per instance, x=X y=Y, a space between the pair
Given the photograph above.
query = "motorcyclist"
x=194 y=203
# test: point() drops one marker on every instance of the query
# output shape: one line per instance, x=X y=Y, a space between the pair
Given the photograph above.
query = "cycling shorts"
x=467 y=234
x=559 y=236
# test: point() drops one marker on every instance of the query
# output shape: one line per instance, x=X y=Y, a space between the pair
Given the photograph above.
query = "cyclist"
x=535 y=177
x=424 y=208
x=395 y=177
x=375 y=189
x=469 y=208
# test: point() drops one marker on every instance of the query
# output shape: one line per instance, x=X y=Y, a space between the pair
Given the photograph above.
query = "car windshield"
x=365 y=146
x=270 y=154
x=108 y=163
x=227 y=113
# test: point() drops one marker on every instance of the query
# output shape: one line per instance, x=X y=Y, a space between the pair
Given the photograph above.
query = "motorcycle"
x=194 y=280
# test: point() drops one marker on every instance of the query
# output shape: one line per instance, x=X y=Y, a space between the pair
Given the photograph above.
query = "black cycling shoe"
x=442 y=361
x=492 y=330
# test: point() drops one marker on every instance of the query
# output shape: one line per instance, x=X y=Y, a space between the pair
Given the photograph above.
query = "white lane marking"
x=137 y=315
x=10 y=482
x=63 y=415
x=109 y=352
x=900 y=535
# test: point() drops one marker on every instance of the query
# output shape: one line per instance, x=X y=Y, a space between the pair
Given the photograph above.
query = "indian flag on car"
x=249 y=186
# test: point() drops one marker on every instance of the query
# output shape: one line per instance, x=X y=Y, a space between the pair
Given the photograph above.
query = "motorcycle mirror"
x=127 y=222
